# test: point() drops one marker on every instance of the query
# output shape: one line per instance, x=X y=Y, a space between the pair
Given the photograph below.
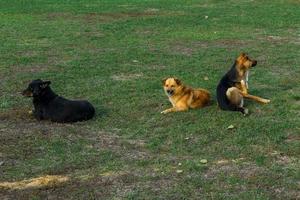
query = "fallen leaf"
x=222 y=162
x=156 y=169
x=206 y=78
x=230 y=127
x=203 y=161
x=274 y=153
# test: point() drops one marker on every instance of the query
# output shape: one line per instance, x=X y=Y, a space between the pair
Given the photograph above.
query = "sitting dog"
x=183 y=97
x=233 y=87
x=48 y=105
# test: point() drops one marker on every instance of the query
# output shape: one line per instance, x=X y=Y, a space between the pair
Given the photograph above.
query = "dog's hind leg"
x=234 y=96
x=38 y=114
x=236 y=100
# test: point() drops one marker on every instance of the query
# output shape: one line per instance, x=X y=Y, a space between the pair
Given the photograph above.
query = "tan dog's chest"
x=183 y=99
x=245 y=78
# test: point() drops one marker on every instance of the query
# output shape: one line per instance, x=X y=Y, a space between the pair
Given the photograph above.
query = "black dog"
x=233 y=87
x=48 y=105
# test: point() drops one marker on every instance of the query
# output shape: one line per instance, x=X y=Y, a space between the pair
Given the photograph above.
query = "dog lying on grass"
x=233 y=87
x=50 y=106
x=183 y=97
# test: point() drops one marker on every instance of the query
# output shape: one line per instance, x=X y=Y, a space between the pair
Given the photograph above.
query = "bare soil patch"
x=188 y=49
x=126 y=77
x=245 y=170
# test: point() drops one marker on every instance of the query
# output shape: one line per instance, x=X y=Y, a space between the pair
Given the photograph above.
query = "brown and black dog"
x=233 y=87
x=183 y=97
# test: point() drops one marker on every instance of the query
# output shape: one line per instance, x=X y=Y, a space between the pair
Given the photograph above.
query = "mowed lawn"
x=115 y=54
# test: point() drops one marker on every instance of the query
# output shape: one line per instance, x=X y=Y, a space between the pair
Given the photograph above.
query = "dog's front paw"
x=164 y=112
x=265 y=101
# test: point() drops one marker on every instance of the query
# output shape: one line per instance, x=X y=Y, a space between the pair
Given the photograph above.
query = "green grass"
x=115 y=54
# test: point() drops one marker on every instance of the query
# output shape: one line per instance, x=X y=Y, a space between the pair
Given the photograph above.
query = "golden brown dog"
x=233 y=87
x=183 y=97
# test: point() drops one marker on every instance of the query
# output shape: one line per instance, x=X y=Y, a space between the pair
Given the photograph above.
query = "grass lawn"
x=115 y=54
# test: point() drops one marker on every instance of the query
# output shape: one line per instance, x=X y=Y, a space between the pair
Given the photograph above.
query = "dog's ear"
x=178 y=82
x=164 y=81
x=243 y=54
x=45 y=84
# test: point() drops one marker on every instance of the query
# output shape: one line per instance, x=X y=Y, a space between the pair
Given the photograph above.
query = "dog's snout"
x=26 y=93
x=254 y=63
x=170 y=92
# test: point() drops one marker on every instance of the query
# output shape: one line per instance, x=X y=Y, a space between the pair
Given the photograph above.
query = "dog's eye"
x=167 y=85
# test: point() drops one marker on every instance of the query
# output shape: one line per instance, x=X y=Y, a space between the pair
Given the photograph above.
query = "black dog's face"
x=35 y=88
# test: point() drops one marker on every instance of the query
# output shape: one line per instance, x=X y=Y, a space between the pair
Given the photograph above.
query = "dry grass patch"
x=244 y=170
x=48 y=180
x=16 y=114
x=188 y=49
x=126 y=77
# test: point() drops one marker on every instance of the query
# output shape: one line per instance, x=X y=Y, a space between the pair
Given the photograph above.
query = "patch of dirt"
x=16 y=114
x=30 y=69
x=128 y=149
x=244 y=171
x=27 y=53
x=19 y=129
x=205 y=5
x=105 y=185
x=281 y=71
x=93 y=33
x=188 y=49
x=58 y=15
x=111 y=17
x=287 y=160
x=101 y=17
x=156 y=67
x=126 y=77
x=293 y=138
x=285 y=193
x=280 y=39
x=182 y=50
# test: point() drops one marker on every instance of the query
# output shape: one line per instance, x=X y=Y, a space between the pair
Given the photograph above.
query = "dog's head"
x=171 y=86
x=36 y=88
x=244 y=62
